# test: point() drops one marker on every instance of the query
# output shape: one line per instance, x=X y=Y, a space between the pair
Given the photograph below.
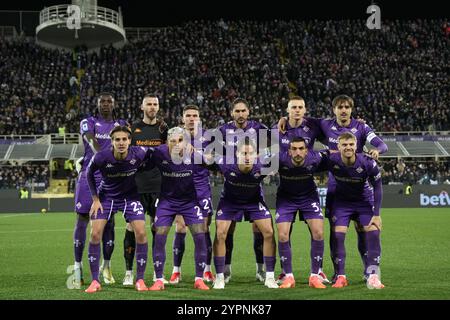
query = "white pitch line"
x=17 y=215
x=52 y=230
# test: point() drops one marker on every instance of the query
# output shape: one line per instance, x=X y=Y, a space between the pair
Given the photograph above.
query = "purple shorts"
x=167 y=210
x=343 y=212
x=83 y=198
x=131 y=209
x=227 y=210
x=206 y=207
x=287 y=209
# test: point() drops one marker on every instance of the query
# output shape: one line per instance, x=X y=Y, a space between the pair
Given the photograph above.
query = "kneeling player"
x=358 y=195
x=117 y=192
x=242 y=196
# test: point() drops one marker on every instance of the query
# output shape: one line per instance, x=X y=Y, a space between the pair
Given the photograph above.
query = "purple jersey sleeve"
x=375 y=181
x=374 y=140
x=93 y=166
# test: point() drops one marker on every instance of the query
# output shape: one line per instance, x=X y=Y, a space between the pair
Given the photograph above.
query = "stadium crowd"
x=398 y=77
x=13 y=176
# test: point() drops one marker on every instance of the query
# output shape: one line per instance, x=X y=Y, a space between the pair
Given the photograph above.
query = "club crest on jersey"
x=257 y=174
x=333 y=128
x=78 y=205
x=98 y=124
x=309 y=167
x=220 y=212
x=132 y=161
x=233 y=174
x=306 y=129
x=359 y=169
x=336 y=167
x=353 y=130
x=116 y=124
x=109 y=165
x=164 y=162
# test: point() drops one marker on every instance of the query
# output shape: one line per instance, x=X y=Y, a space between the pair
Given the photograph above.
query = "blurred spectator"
x=16 y=177
x=398 y=76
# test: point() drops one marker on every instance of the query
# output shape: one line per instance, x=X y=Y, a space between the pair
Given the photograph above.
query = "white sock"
x=208 y=268
x=128 y=272
x=260 y=267
x=197 y=278
x=228 y=268
x=289 y=275
x=270 y=275
x=106 y=263
x=176 y=269
x=77 y=265
x=220 y=276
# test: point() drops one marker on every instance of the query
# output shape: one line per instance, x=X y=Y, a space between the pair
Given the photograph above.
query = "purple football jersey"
x=118 y=181
x=309 y=130
x=332 y=130
x=241 y=188
x=359 y=183
x=101 y=129
x=177 y=184
x=297 y=183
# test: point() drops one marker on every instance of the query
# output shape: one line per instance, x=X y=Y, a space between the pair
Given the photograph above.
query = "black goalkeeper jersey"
x=147 y=135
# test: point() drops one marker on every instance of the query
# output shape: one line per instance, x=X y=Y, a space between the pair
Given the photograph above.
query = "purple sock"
x=208 y=248
x=362 y=247
x=178 y=248
x=316 y=255
x=332 y=251
x=258 y=243
x=141 y=259
x=79 y=238
x=229 y=244
x=270 y=263
x=199 y=253
x=284 y=250
x=339 y=254
x=159 y=254
x=94 y=257
x=219 y=264
x=374 y=251
x=108 y=239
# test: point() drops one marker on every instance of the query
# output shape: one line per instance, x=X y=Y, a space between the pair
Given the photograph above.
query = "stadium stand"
x=398 y=78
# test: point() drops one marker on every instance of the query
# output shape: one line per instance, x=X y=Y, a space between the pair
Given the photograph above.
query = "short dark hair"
x=104 y=94
x=239 y=100
x=120 y=129
x=297 y=139
x=191 y=107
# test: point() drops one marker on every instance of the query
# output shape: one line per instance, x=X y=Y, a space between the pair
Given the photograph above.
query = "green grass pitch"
x=36 y=250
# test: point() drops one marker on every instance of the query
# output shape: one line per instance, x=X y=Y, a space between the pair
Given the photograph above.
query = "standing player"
x=331 y=129
x=232 y=132
x=117 y=192
x=95 y=132
x=297 y=125
x=358 y=195
x=298 y=192
x=242 y=196
x=149 y=132
x=191 y=120
x=178 y=196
